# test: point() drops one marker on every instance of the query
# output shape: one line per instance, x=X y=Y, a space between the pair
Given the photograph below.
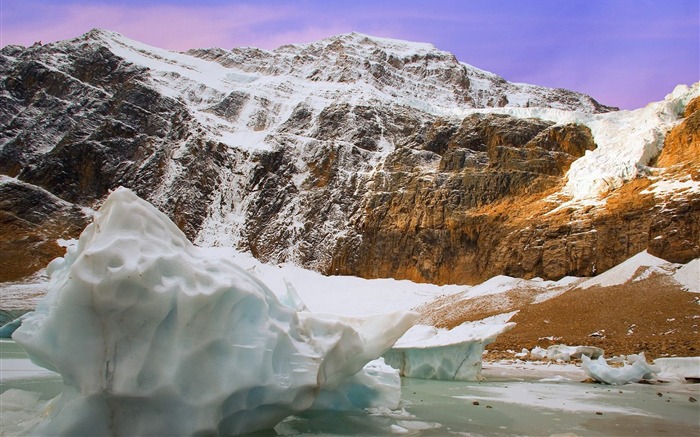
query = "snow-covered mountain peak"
x=99 y=34
x=104 y=38
x=367 y=45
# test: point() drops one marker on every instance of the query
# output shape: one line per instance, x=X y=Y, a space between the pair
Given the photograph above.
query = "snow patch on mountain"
x=689 y=276
x=672 y=188
x=627 y=141
x=355 y=68
x=637 y=268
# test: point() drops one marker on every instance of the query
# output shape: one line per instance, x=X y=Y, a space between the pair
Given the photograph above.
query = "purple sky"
x=624 y=53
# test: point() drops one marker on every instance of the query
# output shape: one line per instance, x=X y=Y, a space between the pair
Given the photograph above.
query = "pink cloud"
x=182 y=27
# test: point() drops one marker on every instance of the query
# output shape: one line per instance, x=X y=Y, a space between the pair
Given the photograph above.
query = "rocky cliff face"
x=351 y=155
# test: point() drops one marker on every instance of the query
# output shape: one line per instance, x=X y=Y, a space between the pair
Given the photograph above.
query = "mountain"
x=352 y=155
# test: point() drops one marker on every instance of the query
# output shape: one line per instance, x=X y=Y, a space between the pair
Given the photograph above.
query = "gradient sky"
x=624 y=53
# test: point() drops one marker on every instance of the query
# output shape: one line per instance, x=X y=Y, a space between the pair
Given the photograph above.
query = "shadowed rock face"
x=335 y=181
x=32 y=220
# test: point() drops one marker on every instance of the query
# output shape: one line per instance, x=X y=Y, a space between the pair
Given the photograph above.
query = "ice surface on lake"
x=602 y=372
x=153 y=336
x=431 y=353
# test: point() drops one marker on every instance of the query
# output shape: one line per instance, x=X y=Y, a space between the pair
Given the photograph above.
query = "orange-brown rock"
x=485 y=211
x=445 y=226
x=691 y=107
x=682 y=144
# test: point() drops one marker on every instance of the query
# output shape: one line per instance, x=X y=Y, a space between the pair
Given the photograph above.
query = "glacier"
x=447 y=354
x=153 y=336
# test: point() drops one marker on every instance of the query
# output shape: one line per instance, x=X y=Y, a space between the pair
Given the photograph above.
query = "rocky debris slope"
x=636 y=306
x=351 y=155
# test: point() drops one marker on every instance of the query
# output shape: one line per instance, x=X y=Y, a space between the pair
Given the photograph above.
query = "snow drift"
x=154 y=337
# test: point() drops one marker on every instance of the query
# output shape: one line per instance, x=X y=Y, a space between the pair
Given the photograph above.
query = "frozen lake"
x=516 y=399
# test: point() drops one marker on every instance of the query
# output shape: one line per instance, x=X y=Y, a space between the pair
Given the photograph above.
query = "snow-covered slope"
x=352 y=68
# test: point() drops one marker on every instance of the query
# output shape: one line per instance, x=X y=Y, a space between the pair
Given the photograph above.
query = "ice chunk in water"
x=152 y=336
x=456 y=354
x=602 y=372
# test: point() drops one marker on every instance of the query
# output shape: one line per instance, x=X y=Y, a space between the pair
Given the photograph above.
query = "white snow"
x=627 y=141
x=674 y=188
x=639 y=267
x=139 y=322
x=496 y=285
x=455 y=354
x=344 y=295
x=689 y=276
x=500 y=284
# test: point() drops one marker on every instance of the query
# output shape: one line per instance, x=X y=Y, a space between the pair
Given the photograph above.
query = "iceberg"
x=154 y=336
x=430 y=353
x=9 y=328
x=602 y=372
